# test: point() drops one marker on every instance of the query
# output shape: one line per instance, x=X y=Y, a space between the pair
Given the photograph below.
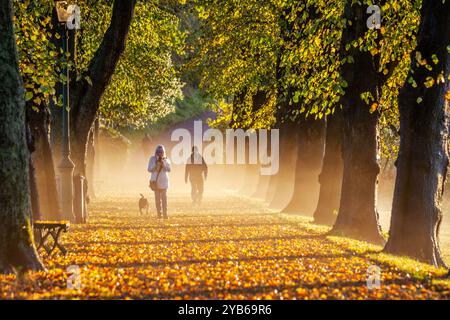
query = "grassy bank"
x=411 y=267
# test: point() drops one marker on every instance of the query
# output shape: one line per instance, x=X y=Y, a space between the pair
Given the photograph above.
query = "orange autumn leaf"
x=373 y=107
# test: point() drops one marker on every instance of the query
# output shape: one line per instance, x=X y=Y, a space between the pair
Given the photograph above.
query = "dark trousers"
x=161 y=202
x=196 y=190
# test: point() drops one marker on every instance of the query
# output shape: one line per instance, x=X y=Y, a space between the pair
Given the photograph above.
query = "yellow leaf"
x=447 y=95
x=429 y=82
x=317 y=41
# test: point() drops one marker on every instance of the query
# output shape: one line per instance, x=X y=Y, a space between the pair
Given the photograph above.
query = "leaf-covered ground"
x=230 y=248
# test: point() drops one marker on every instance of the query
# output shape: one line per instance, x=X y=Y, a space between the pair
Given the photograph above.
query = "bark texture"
x=358 y=216
x=424 y=140
x=17 y=251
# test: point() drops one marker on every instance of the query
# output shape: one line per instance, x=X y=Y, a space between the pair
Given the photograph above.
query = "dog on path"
x=143 y=204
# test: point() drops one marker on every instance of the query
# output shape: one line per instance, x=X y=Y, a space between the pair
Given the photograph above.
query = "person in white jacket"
x=159 y=166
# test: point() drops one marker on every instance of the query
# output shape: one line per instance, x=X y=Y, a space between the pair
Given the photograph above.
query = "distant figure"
x=159 y=166
x=196 y=168
x=146 y=145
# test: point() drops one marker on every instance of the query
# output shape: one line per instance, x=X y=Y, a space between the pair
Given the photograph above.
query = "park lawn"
x=230 y=248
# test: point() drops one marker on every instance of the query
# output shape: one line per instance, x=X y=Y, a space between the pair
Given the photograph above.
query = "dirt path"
x=229 y=248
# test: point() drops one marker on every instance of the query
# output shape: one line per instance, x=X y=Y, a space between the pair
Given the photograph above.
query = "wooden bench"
x=45 y=229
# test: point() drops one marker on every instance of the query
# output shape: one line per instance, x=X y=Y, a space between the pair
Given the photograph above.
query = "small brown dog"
x=143 y=204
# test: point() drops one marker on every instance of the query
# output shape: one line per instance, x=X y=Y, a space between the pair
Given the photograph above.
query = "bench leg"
x=43 y=240
x=56 y=243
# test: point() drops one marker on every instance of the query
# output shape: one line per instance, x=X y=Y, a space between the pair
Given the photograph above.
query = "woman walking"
x=159 y=166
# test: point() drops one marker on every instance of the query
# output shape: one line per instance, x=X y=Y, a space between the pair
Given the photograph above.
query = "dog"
x=143 y=204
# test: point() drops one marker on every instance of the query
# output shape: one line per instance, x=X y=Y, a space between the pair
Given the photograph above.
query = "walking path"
x=231 y=247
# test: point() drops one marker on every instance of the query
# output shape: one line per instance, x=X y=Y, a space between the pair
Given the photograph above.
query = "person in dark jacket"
x=196 y=169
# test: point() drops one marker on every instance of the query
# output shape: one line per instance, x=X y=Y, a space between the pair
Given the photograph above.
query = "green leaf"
x=296 y=97
x=28 y=96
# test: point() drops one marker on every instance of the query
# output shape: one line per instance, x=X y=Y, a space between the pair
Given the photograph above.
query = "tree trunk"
x=330 y=178
x=424 y=137
x=97 y=151
x=17 y=251
x=34 y=194
x=263 y=180
x=85 y=97
x=252 y=173
x=91 y=164
x=358 y=216
x=278 y=189
x=281 y=184
x=310 y=148
x=261 y=187
x=43 y=162
x=272 y=185
x=259 y=100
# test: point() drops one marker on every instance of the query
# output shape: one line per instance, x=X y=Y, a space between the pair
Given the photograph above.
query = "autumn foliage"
x=230 y=248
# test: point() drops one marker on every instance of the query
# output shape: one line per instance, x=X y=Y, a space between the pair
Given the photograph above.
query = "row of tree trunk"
x=38 y=131
x=349 y=162
x=421 y=165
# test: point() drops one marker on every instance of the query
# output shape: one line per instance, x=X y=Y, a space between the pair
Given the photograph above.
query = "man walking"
x=196 y=169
